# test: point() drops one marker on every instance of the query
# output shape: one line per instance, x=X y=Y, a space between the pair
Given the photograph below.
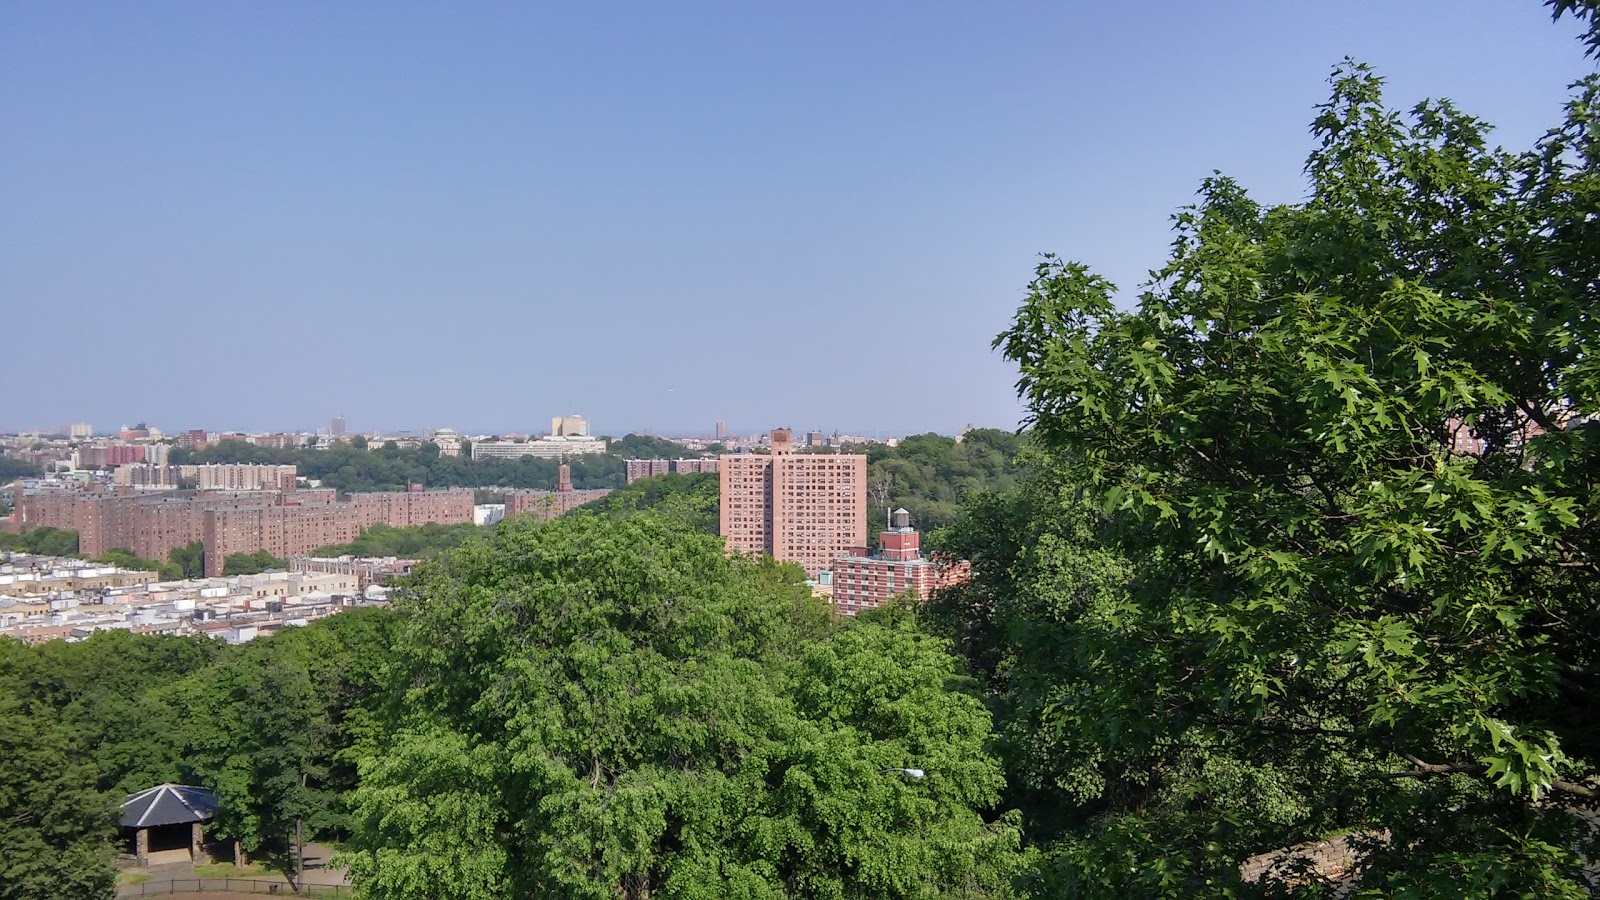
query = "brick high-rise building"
x=806 y=508
x=413 y=506
x=150 y=525
x=282 y=531
x=101 y=456
x=240 y=477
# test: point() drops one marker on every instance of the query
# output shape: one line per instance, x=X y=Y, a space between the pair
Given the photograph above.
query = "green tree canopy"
x=599 y=706
x=411 y=541
x=104 y=693
x=55 y=826
x=696 y=497
x=190 y=560
x=12 y=469
x=1344 y=451
x=44 y=541
x=124 y=558
x=252 y=563
x=930 y=474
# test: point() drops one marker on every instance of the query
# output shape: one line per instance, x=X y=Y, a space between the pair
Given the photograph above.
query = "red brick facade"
x=284 y=523
x=805 y=508
x=866 y=582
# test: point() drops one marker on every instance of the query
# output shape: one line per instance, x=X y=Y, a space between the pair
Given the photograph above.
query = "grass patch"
x=132 y=878
x=229 y=870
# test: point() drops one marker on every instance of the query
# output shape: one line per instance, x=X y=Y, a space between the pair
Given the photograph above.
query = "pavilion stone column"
x=197 y=842
x=141 y=846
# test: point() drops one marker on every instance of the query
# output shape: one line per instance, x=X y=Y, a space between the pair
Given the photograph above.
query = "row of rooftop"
x=47 y=598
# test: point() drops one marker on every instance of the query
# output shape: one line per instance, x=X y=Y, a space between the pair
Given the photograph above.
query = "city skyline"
x=355 y=426
x=672 y=214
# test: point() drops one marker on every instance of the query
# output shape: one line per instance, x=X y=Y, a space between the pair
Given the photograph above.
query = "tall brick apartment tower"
x=805 y=508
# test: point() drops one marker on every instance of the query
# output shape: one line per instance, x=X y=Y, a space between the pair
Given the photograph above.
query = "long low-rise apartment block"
x=214 y=477
x=649 y=468
x=554 y=447
x=283 y=522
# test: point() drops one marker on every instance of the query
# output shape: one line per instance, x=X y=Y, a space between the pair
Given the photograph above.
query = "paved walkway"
x=316 y=874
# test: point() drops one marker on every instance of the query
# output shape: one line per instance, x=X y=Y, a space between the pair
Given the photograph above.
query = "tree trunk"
x=299 y=852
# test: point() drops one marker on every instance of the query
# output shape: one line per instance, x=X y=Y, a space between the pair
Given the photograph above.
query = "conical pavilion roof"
x=168 y=804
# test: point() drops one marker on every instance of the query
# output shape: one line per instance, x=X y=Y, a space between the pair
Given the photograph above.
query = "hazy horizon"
x=258 y=217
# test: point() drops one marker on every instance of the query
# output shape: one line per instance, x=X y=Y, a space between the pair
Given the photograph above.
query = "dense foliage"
x=54 y=826
x=930 y=474
x=270 y=726
x=12 y=469
x=125 y=559
x=1261 y=588
x=695 y=497
x=43 y=541
x=410 y=542
x=252 y=563
x=80 y=726
x=600 y=706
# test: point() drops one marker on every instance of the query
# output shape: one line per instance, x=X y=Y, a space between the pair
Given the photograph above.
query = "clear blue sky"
x=257 y=216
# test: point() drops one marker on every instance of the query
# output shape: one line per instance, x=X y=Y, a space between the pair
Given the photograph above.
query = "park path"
x=317 y=874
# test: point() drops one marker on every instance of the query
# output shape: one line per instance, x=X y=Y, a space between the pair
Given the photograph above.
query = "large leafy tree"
x=105 y=694
x=1344 y=449
x=611 y=705
x=258 y=734
x=55 y=825
x=275 y=725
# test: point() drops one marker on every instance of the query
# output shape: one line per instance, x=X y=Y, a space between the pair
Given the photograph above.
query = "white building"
x=448 y=441
x=543 y=448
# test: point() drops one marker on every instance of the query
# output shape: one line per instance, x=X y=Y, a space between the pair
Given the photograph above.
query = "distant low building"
x=448 y=442
x=282 y=522
x=76 y=602
x=543 y=448
x=860 y=581
x=367 y=570
x=649 y=468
